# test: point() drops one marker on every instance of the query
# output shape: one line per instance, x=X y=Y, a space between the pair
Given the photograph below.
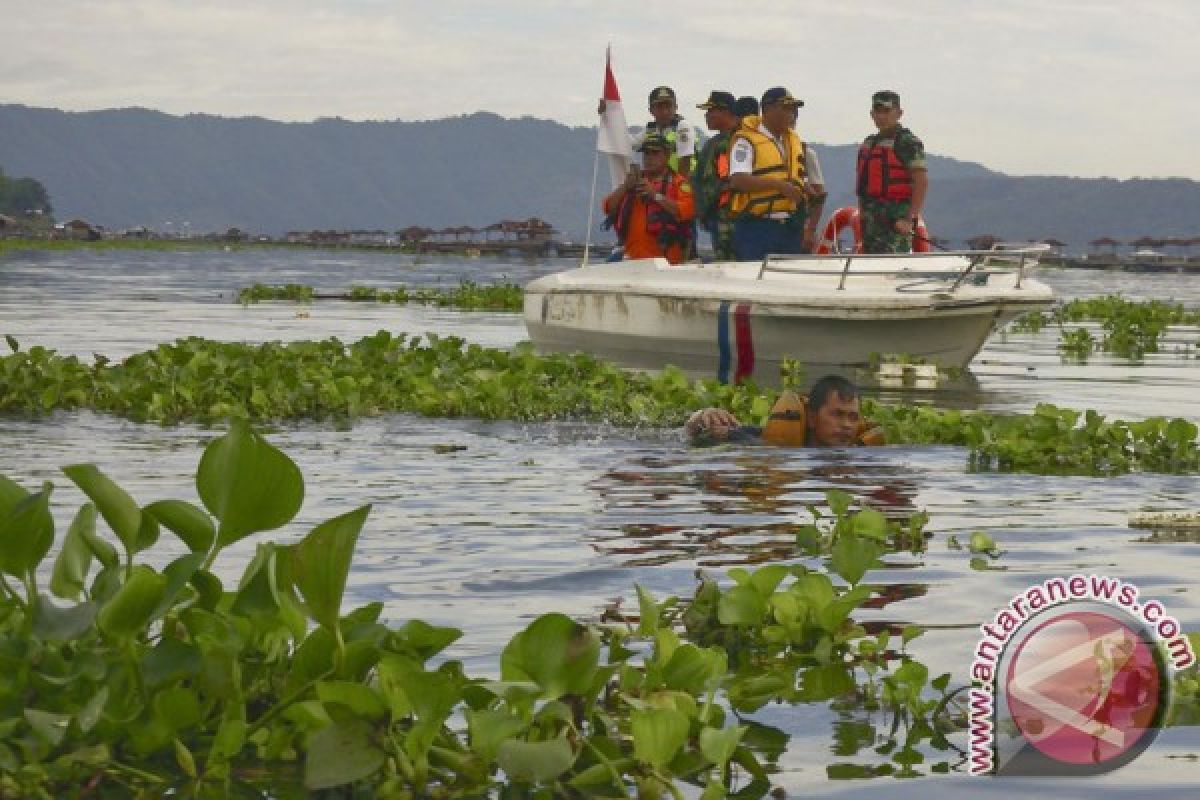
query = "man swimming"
x=831 y=417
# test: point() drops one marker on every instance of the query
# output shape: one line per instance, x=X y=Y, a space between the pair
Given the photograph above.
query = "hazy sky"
x=1066 y=87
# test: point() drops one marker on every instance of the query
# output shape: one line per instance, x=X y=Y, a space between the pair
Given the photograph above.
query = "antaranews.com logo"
x=1073 y=677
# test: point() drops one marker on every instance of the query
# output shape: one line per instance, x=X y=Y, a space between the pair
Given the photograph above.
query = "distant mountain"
x=128 y=167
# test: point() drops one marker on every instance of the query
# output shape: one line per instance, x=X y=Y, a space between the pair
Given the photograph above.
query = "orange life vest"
x=664 y=226
x=787 y=425
x=881 y=173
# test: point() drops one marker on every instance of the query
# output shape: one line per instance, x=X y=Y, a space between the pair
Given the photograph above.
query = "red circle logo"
x=1085 y=688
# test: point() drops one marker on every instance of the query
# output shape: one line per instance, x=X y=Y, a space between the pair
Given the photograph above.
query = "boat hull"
x=739 y=331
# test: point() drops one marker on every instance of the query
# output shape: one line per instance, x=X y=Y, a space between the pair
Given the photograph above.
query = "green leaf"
x=818 y=684
x=870 y=523
x=982 y=543
x=426 y=640
x=75 y=558
x=362 y=700
x=428 y=697
x=853 y=555
x=598 y=775
x=89 y=715
x=848 y=772
x=147 y=533
x=321 y=562
x=691 y=669
x=183 y=757
x=104 y=552
x=114 y=503
x=171 y=660
x=741 y=605
x=766 y=580
x=647 y=613
x=48 y=726
x=557 y=653
x=231 y=734
x=26 y=528
x=658 y=733
x=132 y=608
x=489 y=728
x=815 y=588
x=208 y=588
x=839 y=501
x=913 y=674
x=255 y=593
x=535 y=762
x=340 y=754
x=11 y=493
x=247 y=484
x=177 y=707
x=718 y=744
x=179 y=575
x=190 y=524
x=312 y=659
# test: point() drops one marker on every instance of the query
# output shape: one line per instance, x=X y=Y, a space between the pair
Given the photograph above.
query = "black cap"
x=745 y=106
x=780 y=95
x=660 y=93
x=885 y=99
x=654 y=141
x=718 y=99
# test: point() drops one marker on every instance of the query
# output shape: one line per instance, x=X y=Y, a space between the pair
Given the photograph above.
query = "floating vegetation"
x=16 y=245
x=468 y=295
x=292 y=292
x=1131 y=329
x=146 y=681
x=200 y=380
x=1051 y=440
x=1185 y=696
x=1077 y=344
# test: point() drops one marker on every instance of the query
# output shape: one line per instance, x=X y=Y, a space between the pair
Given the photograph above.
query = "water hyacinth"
x=140 y=680
x=200 y=380
x=1130 y=328
x=467 y=296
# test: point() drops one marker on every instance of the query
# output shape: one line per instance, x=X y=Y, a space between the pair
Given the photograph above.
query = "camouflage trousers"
x=878 y=226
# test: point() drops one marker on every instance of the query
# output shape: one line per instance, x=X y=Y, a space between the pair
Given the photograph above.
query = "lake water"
x=534 y=517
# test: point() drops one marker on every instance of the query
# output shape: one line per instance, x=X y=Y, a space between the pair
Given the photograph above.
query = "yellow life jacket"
x=769 y=163
x=787 y=425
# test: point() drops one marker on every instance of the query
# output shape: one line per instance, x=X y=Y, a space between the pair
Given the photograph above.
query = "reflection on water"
x=734 y=503
x=515 y=520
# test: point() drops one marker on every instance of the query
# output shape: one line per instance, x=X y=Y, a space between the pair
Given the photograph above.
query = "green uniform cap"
x=886 y=99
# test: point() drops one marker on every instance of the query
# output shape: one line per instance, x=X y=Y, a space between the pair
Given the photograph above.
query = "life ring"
x=845 y=217
x=848 y=217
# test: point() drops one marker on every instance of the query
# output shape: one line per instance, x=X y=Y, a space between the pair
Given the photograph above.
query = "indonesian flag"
x=613 y=138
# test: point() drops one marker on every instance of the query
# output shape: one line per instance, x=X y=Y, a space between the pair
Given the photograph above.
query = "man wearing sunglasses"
x=891 y=179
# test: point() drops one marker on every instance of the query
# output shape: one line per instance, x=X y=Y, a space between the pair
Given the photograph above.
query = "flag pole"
x=587 y=241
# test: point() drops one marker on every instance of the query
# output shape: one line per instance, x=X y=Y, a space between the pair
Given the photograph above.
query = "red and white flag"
x=613 y=139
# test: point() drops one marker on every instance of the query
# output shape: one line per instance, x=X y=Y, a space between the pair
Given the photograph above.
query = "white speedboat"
x=739 y=320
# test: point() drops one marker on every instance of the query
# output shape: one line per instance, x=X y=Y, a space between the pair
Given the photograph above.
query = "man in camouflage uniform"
x=710 y=178
x=891 y=179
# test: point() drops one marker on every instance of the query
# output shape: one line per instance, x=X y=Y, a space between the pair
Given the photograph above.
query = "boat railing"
x=1000 y=259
